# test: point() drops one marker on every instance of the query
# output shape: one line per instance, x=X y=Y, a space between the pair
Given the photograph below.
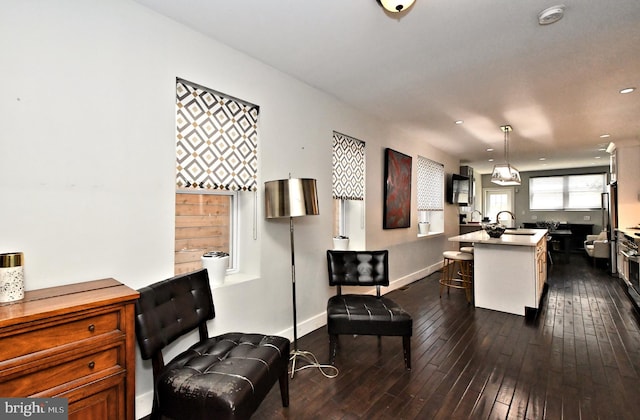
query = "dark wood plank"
x=579 y=359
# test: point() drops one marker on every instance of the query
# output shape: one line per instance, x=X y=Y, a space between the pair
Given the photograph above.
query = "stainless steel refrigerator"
x=610 y=222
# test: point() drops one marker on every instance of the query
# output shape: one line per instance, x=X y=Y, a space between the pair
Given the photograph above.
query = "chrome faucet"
x=474 y=212
x=513 y=217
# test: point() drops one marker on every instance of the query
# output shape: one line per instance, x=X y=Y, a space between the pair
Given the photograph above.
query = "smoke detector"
x=551 y=15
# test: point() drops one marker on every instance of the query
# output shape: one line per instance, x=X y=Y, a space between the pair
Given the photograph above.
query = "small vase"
x=11 y=277
x=341 y=244
x=423 y=228
x=216 y=265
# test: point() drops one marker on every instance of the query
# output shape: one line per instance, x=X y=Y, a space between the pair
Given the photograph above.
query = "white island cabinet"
x=509 y=273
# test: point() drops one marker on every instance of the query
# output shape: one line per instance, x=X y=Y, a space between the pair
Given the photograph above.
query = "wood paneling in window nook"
x=202 y=225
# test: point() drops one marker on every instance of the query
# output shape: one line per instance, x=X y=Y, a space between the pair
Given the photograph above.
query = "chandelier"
x=503 y=173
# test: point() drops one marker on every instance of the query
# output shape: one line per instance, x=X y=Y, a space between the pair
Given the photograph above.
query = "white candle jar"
x=11 y=277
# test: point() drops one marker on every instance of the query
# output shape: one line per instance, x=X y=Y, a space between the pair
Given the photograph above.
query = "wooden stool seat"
x=460 y=264
x=467 y=249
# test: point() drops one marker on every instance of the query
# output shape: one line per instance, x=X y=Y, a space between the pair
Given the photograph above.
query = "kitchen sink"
x=518 y=232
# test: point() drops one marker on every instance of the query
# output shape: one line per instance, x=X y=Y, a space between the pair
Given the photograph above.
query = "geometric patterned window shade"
x=430 y=185
x=348 y=167
x=217 y=140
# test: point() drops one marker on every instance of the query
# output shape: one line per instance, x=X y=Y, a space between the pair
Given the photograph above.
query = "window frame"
x=343 y=212
x=234 y=219
x=436 y=214
x=566 y=192
x=226 y=129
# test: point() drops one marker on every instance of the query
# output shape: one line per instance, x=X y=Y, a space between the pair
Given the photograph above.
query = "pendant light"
x=395 y=6
x=505 y=174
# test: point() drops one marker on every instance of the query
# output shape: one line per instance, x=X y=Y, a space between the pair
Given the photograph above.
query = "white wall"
x=87 y=160
x=524 y=214
x=628 y=163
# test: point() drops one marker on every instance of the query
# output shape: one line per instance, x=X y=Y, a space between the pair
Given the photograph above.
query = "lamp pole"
x=293 y=290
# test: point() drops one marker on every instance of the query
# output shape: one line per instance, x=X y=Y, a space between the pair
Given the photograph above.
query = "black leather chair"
x=223 y=377
x=364 y=314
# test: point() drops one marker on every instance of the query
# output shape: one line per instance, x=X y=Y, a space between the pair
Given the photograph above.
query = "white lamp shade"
x=291 y=197
x=505 y=174
x=395 y=6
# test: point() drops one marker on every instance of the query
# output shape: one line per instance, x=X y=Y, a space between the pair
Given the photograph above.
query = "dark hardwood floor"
x=580 y=359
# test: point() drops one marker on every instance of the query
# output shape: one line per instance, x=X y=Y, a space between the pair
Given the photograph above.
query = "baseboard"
x=417 y=275
x=144 y=403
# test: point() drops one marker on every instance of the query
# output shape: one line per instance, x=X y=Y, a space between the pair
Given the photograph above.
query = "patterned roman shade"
x=217 y=140
x=430 y=185
x=348 y=167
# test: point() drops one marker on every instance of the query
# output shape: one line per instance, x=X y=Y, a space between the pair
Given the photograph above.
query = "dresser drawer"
x=100 y=400
x=75 y=372
x=48 y=336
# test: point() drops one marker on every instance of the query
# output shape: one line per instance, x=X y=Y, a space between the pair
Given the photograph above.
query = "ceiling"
x=487 y=63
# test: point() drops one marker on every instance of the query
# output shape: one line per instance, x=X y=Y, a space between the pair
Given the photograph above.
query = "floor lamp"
x=293 y=197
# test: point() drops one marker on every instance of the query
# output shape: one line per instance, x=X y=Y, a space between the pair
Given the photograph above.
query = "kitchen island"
x=509 y=273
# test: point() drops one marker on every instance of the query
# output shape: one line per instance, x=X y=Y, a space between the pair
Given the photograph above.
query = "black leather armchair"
x=223 y=377
x=359 y=313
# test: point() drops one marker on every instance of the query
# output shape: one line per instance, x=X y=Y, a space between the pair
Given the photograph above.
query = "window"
x=497 y=200
x=216 y=161
x=569 y=192
x=431 y=194
x=203 y=223
x=348 y=186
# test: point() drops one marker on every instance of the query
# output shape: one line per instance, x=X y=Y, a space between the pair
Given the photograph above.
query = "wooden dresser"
x=76 y=342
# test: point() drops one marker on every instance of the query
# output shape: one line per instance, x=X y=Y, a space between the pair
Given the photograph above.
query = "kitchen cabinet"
x=509 y=273
x=541 y=264
x=76 y=342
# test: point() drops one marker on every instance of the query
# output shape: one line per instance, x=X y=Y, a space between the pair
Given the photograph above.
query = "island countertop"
x=519 y=237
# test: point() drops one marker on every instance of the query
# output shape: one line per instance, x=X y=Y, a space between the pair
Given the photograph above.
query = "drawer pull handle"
x=92 y=327
x=92 y=364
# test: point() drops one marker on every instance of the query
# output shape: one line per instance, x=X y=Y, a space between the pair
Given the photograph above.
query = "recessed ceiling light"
x=597 y=157
x=551 y=15
x=605 y=136
x=542 y=158
x=627 y=90
x=490 y=160
x=490 y=149
x=459 y=122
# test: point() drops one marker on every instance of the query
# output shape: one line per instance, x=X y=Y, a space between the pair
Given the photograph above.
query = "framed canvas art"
x=397 y=190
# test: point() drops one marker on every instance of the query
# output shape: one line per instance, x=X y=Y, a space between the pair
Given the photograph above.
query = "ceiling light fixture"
x=627 y=90
x=503 y=173
x=396 y=6
x=551 y=15
x=459 y=122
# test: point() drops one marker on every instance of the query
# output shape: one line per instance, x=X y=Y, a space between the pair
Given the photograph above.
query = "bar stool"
x=467 y=249
x=460 y=264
